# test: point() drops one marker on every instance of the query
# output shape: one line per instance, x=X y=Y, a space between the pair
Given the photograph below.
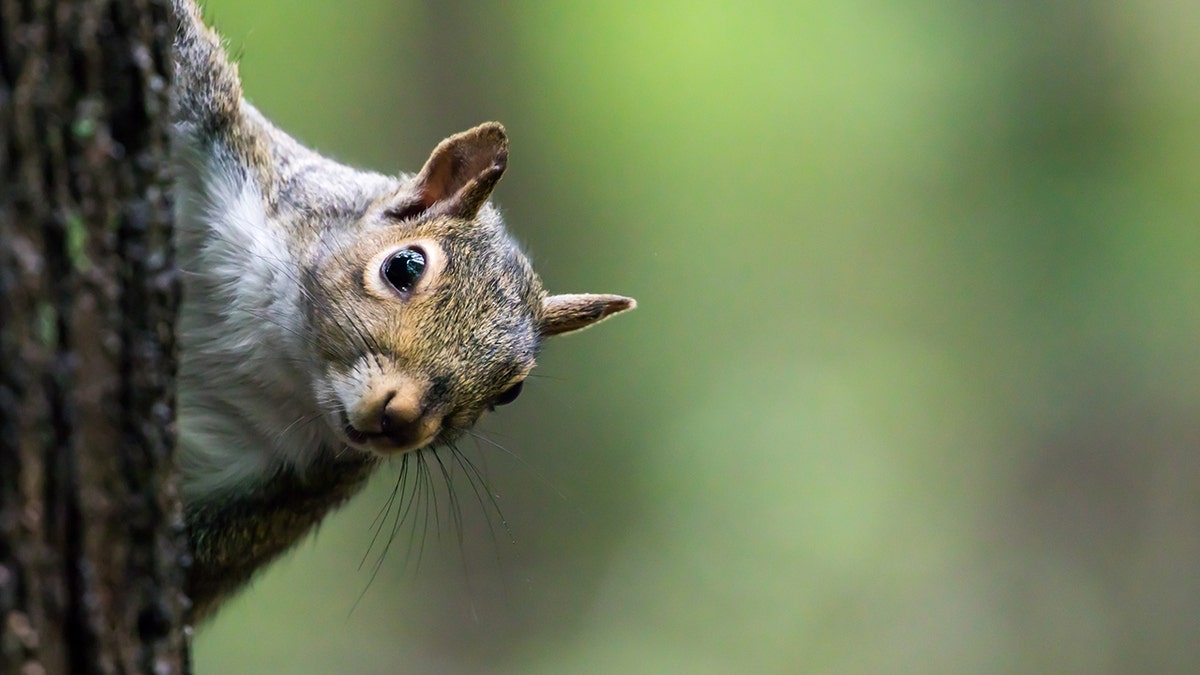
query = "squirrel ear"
x=458 y=177
x=567 y=313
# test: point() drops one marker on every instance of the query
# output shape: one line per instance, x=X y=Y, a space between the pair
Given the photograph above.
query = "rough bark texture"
x=91 y=538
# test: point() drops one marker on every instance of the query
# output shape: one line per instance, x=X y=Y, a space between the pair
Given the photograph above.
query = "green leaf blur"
x=914 y=384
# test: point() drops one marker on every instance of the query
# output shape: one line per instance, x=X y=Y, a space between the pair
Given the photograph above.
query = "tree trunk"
x=91 y=537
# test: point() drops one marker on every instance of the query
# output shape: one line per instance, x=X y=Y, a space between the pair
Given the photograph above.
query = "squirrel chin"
x=384 y=448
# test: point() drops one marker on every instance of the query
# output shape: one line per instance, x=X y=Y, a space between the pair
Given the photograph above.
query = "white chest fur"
x=245 y=402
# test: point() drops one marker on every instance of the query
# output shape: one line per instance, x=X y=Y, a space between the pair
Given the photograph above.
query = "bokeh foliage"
x=914 y=385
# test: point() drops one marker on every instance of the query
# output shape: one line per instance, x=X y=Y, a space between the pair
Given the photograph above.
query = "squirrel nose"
x=402 y=421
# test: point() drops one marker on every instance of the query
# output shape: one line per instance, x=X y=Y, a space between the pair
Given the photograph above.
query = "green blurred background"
x=914 y=384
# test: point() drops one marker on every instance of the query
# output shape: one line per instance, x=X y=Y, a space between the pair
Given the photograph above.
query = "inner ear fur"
x=458 y=177
x=576 y=311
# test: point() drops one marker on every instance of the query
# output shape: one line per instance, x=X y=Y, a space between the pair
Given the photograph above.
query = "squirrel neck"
x=247 y=412
x=233 y=538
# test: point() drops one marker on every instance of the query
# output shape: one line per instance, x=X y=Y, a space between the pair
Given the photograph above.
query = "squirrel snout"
x=401 y=421
x=391 y=420
x=405 y=423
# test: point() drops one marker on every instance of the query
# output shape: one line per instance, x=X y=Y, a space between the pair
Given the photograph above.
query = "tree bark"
x=91 y=538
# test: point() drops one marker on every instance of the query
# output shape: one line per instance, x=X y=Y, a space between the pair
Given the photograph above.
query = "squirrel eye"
x=403 y=269
x=509 y=395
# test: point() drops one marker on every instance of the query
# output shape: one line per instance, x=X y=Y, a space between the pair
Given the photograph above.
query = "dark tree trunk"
x=91 y=538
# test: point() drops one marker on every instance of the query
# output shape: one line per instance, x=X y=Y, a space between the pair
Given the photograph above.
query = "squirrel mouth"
x=356 y=437
x=353 y=434
x=378 y=441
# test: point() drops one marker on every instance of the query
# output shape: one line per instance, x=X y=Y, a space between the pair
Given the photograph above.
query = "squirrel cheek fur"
x=330 y=317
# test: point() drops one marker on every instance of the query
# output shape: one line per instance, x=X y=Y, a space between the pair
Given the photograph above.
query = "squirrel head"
x=425 y=312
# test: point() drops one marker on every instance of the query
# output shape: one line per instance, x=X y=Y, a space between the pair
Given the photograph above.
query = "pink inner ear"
x=444 y=176
x=431 y=186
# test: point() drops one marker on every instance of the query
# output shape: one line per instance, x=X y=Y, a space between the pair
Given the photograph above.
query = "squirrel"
x=330 y=317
